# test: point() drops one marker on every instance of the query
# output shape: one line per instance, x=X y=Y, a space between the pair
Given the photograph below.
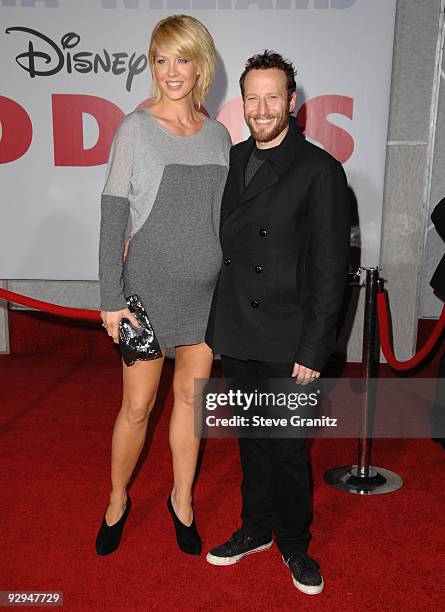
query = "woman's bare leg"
x=192 y=361
x=140 y=386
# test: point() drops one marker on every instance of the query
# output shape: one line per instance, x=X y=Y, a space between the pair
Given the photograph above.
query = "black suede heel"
x=108 y=538
x=188 y=538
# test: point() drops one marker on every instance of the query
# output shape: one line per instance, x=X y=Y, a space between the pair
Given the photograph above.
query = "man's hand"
x=303 y=374
x=110 y=320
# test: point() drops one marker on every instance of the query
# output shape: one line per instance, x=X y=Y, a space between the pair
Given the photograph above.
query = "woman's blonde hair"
x=186 y=37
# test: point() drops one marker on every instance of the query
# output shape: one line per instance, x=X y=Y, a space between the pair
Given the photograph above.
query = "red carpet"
x=57 y=410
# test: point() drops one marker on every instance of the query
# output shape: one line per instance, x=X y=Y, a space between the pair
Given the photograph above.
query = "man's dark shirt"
x=257 y=158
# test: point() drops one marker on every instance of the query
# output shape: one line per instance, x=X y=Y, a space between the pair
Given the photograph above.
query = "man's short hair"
x=270 y=59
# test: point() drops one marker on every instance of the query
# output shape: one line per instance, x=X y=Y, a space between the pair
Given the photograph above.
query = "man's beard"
x=267 y=134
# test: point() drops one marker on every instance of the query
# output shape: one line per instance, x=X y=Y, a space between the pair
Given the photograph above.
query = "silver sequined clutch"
x=137 y=343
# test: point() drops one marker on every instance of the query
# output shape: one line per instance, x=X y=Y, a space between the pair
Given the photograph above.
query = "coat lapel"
x=262 y=180
x=235 y=187
x=236 y=192
x=268 y=174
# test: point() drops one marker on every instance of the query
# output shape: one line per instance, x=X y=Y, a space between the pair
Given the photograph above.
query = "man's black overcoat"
x=285 y=241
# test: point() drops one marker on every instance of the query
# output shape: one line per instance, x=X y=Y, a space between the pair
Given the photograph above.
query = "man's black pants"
x=276 y=487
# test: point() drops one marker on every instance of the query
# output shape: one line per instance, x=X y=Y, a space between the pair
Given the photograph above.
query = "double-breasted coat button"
x=227 y=261
x=263 y=232
x=258 y=269
x=254 y=303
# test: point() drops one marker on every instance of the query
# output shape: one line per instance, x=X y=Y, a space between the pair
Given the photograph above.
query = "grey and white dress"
x=166 y=191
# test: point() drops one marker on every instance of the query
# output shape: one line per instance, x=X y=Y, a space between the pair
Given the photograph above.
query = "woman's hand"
x=126 y=245
x=110 y=321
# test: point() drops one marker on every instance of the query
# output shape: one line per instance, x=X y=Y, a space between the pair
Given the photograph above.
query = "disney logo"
x=45 y=57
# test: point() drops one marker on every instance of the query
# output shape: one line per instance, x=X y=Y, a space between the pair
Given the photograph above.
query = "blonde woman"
x=166 y=174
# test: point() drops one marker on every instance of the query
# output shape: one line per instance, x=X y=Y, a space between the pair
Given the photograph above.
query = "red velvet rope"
x=382 y=311
x=65 y=311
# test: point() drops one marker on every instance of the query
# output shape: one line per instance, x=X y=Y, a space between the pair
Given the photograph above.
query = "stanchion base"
x=377 y=481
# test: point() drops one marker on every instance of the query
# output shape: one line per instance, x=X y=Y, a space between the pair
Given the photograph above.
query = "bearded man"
x=285 y=226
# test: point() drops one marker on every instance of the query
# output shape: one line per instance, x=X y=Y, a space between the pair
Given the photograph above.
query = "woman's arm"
x=115 y=209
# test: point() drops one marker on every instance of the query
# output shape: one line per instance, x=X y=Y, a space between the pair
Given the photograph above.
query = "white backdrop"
x=57 y=125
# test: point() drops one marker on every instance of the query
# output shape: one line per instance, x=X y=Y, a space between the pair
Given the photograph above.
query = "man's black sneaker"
x=305 y=573
x=239 y=545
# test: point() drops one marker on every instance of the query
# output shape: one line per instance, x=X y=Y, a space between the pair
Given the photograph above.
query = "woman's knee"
x=137 y=411
x=184 y=392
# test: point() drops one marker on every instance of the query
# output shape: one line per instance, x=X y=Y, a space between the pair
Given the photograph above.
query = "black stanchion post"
x=369 y=364
x=363 y=478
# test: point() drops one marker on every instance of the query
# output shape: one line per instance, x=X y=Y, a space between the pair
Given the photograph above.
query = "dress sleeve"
x=228 y=146
x=115 y=209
